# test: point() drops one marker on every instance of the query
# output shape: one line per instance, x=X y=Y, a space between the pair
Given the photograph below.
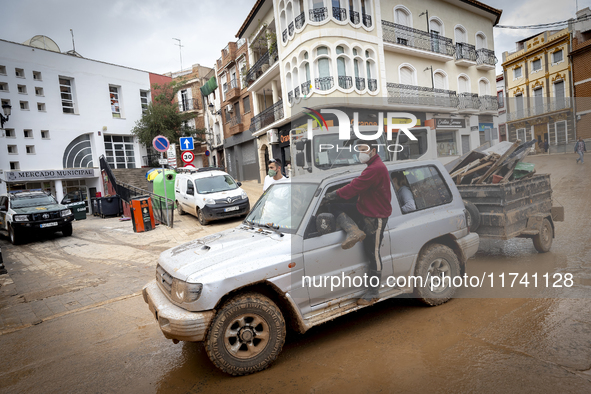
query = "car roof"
x=205 y=174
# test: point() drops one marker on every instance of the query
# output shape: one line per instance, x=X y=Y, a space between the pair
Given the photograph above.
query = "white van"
x=209 y=194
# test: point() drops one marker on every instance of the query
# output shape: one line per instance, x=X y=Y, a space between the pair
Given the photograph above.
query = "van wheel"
x=15 y=237
x=473 y=217
x=246 y=335
x=436 y=260
x=67 y=230
x=543 y=240
x=201 y=217
x=179 y=209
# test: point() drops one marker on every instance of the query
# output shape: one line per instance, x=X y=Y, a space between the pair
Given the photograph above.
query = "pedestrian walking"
x=274 y=173
x=580 y=149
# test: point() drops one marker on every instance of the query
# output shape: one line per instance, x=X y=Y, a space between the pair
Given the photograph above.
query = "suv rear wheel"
x=437 y=260
x=246 y=335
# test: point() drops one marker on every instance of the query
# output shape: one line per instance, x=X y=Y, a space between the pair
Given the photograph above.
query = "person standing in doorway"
x=580 y=149
x=274 y=173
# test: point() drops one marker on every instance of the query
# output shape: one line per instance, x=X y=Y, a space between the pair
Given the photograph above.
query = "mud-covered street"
x=72 y=319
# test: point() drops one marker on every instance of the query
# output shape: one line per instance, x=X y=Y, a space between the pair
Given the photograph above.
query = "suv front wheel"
x=67 y=230
x=15 y=235
x=246 y=335
x=437 y=261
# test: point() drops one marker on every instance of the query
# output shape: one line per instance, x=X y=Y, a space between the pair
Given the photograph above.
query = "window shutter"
x=439 y=81
x=463 y=85
x=559 y=89
x=483 y=87
x=402 y=18
x=459 y=35
x=435 y=26
x=480 y=42
x=406 y=76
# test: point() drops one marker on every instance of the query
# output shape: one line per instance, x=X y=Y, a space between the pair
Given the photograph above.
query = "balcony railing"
x=324 y=83
x=489 y=103
x=354 y=16
x=188 y=105
x=418 y=39
x=360 y=83
x=538 y=107
x=290 y=98
x=486 y=56
x=366 y=20
x=299 y=20
x=296 y=92
x=267 y=117
x=318 y=14
x=284 y=35
x=468 y=101
x=339 y=14
x=233 y=83
x=291 y=28
x=419 y=95
x=259 y=67
x=372 y=85
x=219 y=62
x=465 y=51
x=306 y=88
x=218 y=140
x=345 y=82
x=235 y=120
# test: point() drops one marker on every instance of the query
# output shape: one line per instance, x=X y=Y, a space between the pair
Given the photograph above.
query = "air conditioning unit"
x=272 y=136
x=230 y=108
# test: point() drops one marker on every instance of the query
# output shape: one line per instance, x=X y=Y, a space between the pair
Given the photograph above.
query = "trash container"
x=94 y=204
x=142 y=215
x=109 y=206
x=78 y=209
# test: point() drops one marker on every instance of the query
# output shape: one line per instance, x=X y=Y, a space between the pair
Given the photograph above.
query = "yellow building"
x=539 y=95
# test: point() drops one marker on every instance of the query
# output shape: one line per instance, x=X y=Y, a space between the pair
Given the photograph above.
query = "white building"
x=502 y=119
x=67 y=111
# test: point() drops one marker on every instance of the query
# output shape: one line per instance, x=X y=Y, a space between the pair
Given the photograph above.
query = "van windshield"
x=215 y=184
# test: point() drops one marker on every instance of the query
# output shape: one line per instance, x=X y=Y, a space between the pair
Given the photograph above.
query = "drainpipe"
x=571 y=73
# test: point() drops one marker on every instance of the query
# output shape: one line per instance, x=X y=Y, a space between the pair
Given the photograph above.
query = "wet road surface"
x=468 y=344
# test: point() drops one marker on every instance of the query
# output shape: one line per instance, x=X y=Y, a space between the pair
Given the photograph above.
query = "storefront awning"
x=209 y=87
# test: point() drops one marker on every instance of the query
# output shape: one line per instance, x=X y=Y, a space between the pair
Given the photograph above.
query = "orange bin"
x=142 y=215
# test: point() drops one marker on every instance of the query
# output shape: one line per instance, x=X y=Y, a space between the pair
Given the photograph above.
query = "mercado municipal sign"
x=43 y=175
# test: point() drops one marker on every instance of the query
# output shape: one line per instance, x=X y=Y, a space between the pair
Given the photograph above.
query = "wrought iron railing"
x=291 y=28
x=218 y=140
x=339 y=14
x=360 y=83
x=219 y=62
x=420 y=95
x=372 y=85
x=318 y=14
x=324 y=83
x=296 y=92
x=267 y=117
x=469 y=101
x=284 y=35
x=489 y=103
x=345 y=82
x=418 y=39
x=290 y=99
x=354 y=17
x=235 y=120
x=188 y=105
x=299 y=20
x=465 y=51
x=151 y=160
x=486 y=56
x=233 y=83
x=306 y=88
x=538 y=107
x=366 y=20
x=257 y=69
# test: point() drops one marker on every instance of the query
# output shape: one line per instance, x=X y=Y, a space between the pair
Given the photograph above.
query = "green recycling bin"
x=78 y=209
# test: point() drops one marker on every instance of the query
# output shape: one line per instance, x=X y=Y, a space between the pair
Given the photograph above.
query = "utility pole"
x=73 y=45
x=432 y=82
x=180 y=51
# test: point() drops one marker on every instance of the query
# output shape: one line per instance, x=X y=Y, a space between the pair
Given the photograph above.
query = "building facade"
x=502 y=118
x=67 y=111
x=539 y=90
x=213 y=120
x=581 y=63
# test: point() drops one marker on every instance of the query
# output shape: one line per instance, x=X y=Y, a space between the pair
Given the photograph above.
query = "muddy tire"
x=246 y=335
x=14 y=235
x=435 y=260
x=201 y=218
x=543 y=241
x=473 y=216
x=179 y=209
x=67 y=230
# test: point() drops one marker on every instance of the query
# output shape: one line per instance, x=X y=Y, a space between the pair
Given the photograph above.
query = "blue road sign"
x=187 y=143
x=160 y=143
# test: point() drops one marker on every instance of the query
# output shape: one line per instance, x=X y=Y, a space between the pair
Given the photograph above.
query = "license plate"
x=231 y=209
x=51 y=224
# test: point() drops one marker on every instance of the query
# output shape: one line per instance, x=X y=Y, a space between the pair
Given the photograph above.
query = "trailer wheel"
x=543 y=241
x=473 y=216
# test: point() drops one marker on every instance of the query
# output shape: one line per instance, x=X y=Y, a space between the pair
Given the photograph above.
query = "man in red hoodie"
x=370 y=211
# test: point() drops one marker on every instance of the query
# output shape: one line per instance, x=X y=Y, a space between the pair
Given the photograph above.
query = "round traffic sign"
x=187 y=156
x=160 y=143
x=189 y=166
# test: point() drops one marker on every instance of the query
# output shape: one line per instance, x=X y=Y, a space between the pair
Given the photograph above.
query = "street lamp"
x=6 y=108
x=432 y=82
x=426 y=13
x=211 y=108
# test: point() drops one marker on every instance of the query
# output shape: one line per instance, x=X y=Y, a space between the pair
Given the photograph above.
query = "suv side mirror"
x=3 y=209
x=64 y=201
x=325 y=223
x=239 y=184
x=300 y=145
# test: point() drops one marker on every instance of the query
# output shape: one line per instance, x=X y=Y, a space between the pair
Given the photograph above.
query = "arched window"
x=324 y=80
x=463 y=84
x=436 y=26
x=460 y=34
x=402 y=16
x=407 y=75
x=289 y=19
x=483 y=87
x=439 y=80
x=480 y=41
x=283 y=26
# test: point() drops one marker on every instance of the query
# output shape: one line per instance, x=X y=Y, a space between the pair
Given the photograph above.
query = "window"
x=2 y=70
x=39 y=91
x=30 y=149
x=460 y=34
x=463 y=84
x=12 y=149
x=519 y=105
x=37 y=76
x=427 y=186
x=521 y=135
x=14 y=165
x=114 y=97
x=402 y=17
x=413 y=149
x=45 y=134
x=561 y=134
x=3 y=87
x=557 y=57
x=246 y=104
x=517 y=73
x=480 y=41
x=24 y=105
x=5 y=101
x=10 y=133
x=67 y=96
x=144 y=100
x=28 y=133
x=439 y=80
x=559 y=89
x=407 y=76
x=19 y=72
x=501 y=99
x=536 y=65
x=446 y=143
x=22 y=89
x=190 y=187
x=483 y=87
x=41 y=107
x=119 y=151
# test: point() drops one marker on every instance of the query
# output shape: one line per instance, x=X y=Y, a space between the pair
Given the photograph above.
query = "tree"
x=162 y=117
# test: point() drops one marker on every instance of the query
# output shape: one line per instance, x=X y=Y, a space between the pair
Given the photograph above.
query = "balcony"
x=360 y=83
x=366 y=20
x=188 y=105
x=345 y=82
x=290 y=98
x=300 y=20
x=465 y=54
x=306 y=86
x=324 y=83
x=419 y=97
x=539 y=107
x=267 y=117
x=339 y=14
x=486 y=59
x=318 y=14
x=261 y=66
x=291 y=28
x=406 y=40
x=468 y=103
x=229 y=54
x=219 y=63
x=235 y=124
x=372 y=85
x=296 y=92
x=489 y=105
x=354 y=17
x=232 y=90
x=284 y=36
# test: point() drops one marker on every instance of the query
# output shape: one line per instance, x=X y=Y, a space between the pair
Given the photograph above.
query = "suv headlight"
x=66 y=212
x=244 y=195
x=20 y=218
x=185 y=292
x=210 y=201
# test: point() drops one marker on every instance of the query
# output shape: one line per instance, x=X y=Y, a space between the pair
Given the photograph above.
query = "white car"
x=209 y=194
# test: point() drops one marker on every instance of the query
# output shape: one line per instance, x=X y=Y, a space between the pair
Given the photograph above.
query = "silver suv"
x=238 y=289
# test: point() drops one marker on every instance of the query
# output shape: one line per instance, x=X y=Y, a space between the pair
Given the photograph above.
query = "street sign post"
x=161 y=144
x=187 y=143
x=187 y=157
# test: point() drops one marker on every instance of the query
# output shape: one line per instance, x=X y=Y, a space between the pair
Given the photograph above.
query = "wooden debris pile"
x=494 y=165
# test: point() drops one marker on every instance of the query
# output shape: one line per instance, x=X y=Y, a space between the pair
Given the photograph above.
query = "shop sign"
x=450 y=123
x=19 y=176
